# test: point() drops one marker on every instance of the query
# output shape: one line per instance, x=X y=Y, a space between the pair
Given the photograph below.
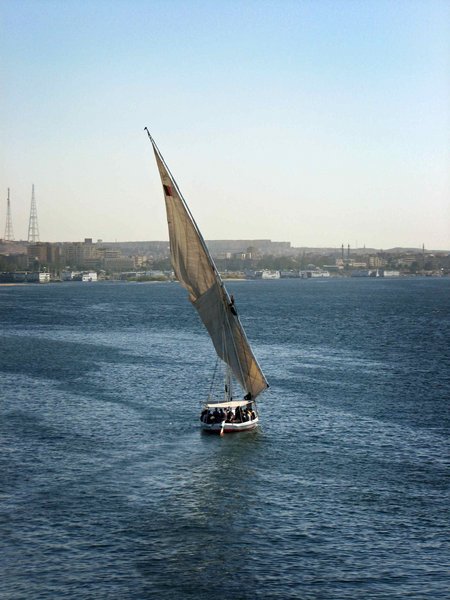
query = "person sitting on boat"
x=231 y=306
x=203 y=416
x=218 y=415
x=230 y=416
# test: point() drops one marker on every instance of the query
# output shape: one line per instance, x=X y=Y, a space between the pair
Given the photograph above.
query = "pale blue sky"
x=315 y=122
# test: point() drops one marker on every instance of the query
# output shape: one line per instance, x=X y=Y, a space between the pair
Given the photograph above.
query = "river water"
x=109 y=489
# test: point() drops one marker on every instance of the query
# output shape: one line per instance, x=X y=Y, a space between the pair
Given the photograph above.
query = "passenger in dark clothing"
x=231 y=305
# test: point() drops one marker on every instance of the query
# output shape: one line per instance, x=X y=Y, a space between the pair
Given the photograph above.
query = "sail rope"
x=213 y=380
x=233 y=341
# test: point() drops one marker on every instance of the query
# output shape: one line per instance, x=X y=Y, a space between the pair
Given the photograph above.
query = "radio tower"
x=33 y=227
x=9 y=234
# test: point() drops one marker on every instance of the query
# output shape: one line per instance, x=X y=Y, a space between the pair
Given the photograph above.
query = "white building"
x=89 y=276
x=266 y=274
x=313 y=273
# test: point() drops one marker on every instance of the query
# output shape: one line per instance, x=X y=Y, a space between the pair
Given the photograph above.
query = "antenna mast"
x=33 y=227
x=9 y=234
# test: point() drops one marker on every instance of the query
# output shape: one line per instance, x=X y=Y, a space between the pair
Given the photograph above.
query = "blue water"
x=110 y=491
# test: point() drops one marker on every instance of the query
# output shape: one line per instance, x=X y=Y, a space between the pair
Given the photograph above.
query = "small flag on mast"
x=167 y=190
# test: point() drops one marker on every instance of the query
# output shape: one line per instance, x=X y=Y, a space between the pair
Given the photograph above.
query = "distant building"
x=119 y=264
x=289 y=274
x=313 y=273
x=14 y=262
x=44 y=252
x=219 y=248
x=89 y=276
x=38 y=277
x=333 y=268
x=141 y=261
x=90 y=256
x=391 y=273
x=25 y=277
x=267 y=274
x=79 y=276
x=377 y=261
x=80 y=254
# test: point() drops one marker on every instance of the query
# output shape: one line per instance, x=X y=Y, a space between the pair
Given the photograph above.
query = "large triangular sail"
x=196 y=271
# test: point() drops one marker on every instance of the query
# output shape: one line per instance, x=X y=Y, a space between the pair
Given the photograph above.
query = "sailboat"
x=197 y=273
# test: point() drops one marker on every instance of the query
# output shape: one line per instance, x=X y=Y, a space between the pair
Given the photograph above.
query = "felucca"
x=196 y=271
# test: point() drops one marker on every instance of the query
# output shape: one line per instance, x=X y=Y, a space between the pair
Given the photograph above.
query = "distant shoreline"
x=231 y=279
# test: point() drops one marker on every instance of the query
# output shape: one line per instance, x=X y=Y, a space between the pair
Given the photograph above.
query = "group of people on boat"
x=219 y=415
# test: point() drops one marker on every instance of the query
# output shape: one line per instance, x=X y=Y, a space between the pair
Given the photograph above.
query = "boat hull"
x=229 y=427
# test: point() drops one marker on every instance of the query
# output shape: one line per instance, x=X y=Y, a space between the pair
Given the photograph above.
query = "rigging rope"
x=213 y=378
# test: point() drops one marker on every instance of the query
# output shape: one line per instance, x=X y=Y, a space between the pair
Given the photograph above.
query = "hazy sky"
x=314 y=122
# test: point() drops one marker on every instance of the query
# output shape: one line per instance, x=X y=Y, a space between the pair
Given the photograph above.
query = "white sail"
x=196 y=271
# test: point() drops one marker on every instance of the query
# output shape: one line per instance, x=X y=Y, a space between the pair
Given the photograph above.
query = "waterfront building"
x=81 y=253
x=45 y=253
x=268 y=274
x=314 y=273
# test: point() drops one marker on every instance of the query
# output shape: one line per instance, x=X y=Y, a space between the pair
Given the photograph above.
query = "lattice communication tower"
x=33 y=227
x=9 y=233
